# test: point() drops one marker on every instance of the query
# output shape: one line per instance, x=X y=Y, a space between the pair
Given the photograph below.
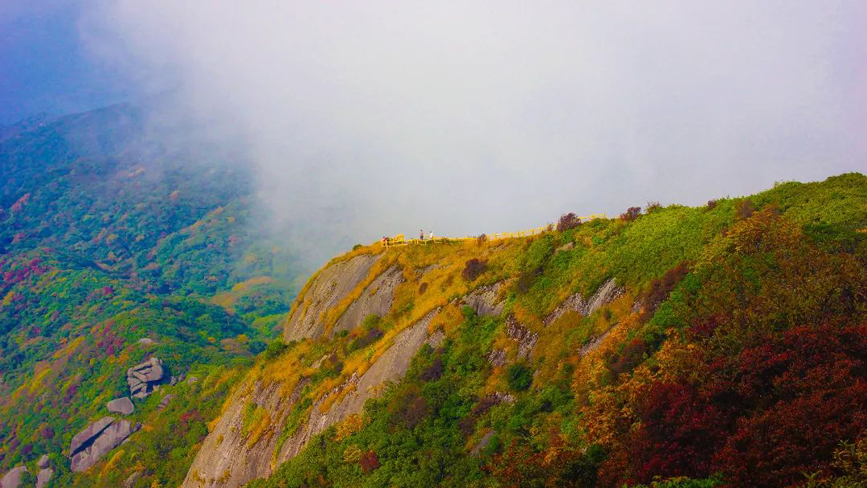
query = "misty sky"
x=469 y=117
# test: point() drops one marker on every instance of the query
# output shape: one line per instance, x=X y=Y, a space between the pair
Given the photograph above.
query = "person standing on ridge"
x=430 y=236
x=421 y=235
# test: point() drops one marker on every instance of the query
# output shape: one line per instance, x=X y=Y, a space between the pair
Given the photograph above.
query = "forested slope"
x=116 y=248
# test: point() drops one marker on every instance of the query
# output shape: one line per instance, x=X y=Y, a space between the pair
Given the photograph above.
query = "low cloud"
x=379 y=117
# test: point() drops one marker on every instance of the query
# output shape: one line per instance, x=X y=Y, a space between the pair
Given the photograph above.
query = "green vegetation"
x=107 y=240
x=732 y=354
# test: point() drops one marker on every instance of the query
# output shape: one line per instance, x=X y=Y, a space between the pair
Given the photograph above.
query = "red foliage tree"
x=568 y=221
x=369 y=461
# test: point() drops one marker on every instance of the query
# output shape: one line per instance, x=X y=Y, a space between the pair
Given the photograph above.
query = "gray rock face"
x=376 y=299
x=606 y=294
x=525 y=338
x=146 y=341
x=43 y=462
x=483 y=443
x=391 y=366
x=100 y=437
x=43 y=477
x=12 y=479
x=130 y=482
x=122 y=406
x=145 y=377
x=486 y=301
x=326 y=289
x=226 y=461
x=497 y=357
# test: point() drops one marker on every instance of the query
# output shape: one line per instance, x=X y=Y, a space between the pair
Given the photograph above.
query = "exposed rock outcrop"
x=12 y=479
x=497 y=357
x=227 y=457
x=485 y=301
x=97 y=439
x=391 y=366
x=43 y=462
x=376 y=299
x=328 y=287
x=43 y=477
x=130 y=482
x=143 y=378
x=525 y=338
x=606 y=294
x=165 y=402
x=121 y=405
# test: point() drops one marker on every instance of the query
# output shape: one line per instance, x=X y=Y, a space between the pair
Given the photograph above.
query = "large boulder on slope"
x=143 y=378
x=95 y=441
x=43 y=477
x=12 y=479
x=121 y=405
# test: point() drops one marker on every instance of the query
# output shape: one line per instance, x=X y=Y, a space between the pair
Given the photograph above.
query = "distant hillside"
x=724 y=345
x=116 y=248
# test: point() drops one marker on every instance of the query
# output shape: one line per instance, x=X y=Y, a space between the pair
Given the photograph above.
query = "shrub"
x=519 y=377
x=568 y=221
x=275 y=348
x=357 y=247
x=482 y=239
x=434 y=371
x=422 y=288
x=711 y=204
x=372 y=335
x=631 y=356
x=660 y=288
x=631 y=214
x=408 y=409
x=369 y=461
x=473 y=268
x=652 y=207
x=744 y=209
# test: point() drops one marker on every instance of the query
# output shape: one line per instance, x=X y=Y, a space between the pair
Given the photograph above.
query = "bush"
x=744 y=209
x=652 y=207
x=711 y=204
x=369 y=461
x=568 y=221
x=482 y=239
x=357 y=247
x=631 y=214
x=473 y=268
x=519 y=377
x=275 y=348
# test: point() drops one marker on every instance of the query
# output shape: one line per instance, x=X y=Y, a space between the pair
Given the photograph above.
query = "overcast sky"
x=466 y=117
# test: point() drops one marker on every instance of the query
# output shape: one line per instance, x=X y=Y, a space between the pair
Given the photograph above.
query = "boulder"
x=192 y=380
x=12 y=479
x=43 y=462
x=89 y=453
x=145 y=341
x=43 y=477
x=144 y=378
x=89 y=433
x=121 y=405
x=165 y=402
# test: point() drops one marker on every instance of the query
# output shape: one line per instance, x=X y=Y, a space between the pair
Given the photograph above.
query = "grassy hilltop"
x=730 y=349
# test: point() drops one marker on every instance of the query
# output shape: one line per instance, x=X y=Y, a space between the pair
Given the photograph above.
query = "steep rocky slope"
x=607 y=353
